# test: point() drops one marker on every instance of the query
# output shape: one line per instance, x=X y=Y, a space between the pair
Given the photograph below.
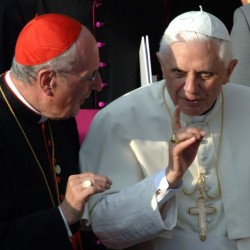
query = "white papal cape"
x=128 y=142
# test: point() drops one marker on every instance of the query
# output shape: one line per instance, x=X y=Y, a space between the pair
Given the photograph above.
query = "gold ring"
x=174 y=139
x=86 y=183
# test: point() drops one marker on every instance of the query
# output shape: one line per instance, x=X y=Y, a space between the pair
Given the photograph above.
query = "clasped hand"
x=78 y=193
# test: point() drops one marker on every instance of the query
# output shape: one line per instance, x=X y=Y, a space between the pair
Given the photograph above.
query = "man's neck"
x=14 y=89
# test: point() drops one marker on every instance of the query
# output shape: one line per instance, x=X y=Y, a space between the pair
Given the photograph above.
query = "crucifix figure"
x=202 y=211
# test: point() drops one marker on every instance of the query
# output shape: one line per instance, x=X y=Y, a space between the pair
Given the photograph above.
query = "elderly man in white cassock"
x=177 y=150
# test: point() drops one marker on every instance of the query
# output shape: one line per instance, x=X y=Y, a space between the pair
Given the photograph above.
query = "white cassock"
x=128 y=142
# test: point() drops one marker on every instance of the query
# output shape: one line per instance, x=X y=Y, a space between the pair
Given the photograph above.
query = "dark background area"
x=123 y=23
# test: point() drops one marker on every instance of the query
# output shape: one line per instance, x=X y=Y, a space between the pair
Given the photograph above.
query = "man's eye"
x=206 y=75
x=178 y=73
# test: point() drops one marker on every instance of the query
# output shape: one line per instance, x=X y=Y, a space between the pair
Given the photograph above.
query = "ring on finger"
x=174 y=139
x=87 y=183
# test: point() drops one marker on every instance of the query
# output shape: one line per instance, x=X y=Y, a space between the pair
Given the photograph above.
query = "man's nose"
x=97 y=84
x=191 y=84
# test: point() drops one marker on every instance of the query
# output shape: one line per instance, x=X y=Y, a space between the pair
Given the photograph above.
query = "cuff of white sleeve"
x=161 y=187
x=65 y=222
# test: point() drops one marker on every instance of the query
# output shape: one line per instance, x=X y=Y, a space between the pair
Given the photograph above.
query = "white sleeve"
x=132 y=215
x=162 y=188
x=130 y=211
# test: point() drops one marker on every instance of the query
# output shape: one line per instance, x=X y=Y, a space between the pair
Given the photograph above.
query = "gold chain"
x=202 y=178
x=33 y=152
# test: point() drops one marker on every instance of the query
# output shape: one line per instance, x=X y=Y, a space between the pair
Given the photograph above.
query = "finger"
x=85 y=175
x=191 y=132
x=176 y=124
x=103 y=183
x=185 y=144
x=189 y=140
x=88 y=176
x=96 y=180
x=85 y=193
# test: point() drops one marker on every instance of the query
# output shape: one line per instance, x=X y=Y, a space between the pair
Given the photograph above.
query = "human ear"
x=230 y=69
x=46 y=82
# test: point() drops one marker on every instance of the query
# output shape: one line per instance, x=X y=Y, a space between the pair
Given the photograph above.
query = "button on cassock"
x=58 y=169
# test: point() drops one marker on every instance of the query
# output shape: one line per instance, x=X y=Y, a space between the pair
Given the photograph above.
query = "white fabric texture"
x=198 y=21
x=240 y=36
x=128 y=142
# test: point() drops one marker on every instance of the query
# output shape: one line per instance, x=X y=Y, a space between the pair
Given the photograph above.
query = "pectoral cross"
x=202 y=211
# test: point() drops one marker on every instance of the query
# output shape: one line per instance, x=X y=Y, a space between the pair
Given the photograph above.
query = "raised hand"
x=183 y=148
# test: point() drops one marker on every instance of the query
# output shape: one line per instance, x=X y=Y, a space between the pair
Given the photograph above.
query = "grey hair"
x=224 y=47
x=64 y=62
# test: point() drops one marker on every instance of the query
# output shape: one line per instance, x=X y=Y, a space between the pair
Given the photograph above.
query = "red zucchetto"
x=46 y=37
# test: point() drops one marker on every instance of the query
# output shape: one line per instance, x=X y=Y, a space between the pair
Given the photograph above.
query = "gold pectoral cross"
x=202 y=211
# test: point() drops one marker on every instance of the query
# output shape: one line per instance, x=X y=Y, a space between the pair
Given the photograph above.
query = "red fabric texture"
x=76 y=241
x=46 y=37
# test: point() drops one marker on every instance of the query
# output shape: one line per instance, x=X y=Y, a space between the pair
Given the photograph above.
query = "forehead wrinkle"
x=197 y=56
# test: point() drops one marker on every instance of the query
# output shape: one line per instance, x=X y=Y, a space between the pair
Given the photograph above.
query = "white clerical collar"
x=21 y=98
x=199 y=118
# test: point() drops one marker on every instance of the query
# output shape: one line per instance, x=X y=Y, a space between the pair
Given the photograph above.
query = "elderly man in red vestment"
x=43 y=196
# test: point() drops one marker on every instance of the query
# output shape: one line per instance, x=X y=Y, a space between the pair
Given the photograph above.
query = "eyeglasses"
x=90 y=78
